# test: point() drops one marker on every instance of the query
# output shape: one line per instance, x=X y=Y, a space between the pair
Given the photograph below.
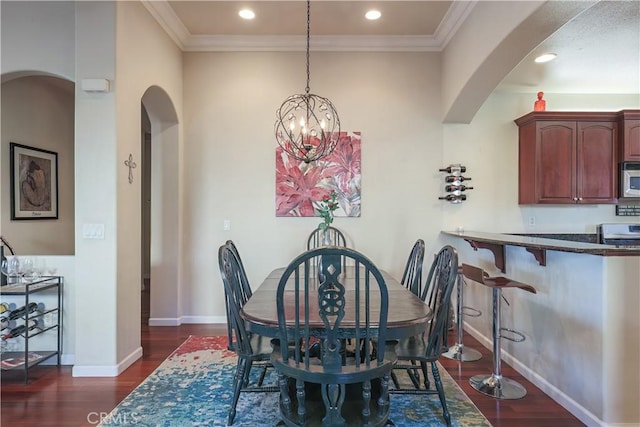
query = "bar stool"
x=495 y=385
x=458 y=351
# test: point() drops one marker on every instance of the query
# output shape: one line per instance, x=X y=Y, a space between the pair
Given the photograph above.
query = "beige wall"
x=37 y=111
x=230 y=101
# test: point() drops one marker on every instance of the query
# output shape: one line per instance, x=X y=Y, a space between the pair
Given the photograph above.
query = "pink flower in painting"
x=343 y=164
x=296 y=190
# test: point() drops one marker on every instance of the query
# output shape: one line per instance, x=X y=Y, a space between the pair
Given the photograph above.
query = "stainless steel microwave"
x=630 y=180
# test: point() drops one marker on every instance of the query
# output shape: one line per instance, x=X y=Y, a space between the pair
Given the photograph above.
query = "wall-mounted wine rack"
x=454 y=183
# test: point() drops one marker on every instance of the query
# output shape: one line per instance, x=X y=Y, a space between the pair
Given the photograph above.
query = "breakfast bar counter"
x=581 y=327
x=539 y=244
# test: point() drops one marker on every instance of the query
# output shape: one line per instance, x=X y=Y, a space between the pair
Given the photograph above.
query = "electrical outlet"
x=532 y=221
x=226 y=225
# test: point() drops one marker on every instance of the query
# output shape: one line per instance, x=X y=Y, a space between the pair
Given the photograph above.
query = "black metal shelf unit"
x=26 y=359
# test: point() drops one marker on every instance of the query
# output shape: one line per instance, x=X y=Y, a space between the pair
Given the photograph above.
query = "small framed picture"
x=34 y=183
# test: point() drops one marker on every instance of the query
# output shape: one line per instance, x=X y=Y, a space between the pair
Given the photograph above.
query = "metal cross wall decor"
x=131 y=165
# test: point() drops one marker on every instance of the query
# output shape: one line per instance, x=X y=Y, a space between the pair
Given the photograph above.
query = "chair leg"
x=263 y=373
x=238 y=380
x=440 y=388
x=394 y=378
x=366 y=402
x=414 y=376
x=423 y=365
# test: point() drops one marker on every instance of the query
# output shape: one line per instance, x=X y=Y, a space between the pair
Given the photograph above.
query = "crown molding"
x=317 y=43
x=173 y=26
x=168 y=20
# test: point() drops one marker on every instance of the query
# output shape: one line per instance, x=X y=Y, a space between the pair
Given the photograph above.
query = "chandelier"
x=307 y=126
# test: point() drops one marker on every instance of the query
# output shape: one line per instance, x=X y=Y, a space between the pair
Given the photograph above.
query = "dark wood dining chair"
x=244 y=290
x=415 y=352
x=250 y=348
x=412 y=276
x=315 y=383
x=316 y=238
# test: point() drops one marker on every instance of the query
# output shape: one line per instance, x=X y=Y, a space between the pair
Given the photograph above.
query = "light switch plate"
x=93 y=231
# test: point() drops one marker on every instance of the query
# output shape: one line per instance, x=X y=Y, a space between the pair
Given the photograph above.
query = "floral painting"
x=300 y=186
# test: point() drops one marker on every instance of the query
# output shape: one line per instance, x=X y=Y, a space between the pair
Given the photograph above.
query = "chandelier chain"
x=308 y=44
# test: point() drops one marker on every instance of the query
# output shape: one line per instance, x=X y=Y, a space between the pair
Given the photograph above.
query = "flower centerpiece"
x=327 y=206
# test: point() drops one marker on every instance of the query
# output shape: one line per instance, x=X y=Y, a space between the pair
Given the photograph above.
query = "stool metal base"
x=498 y=387
x=463 y=354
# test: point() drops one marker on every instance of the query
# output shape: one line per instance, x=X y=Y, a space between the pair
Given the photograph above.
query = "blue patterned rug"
x=191 y=388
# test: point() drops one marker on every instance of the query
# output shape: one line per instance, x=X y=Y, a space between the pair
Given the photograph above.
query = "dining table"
x=407 y=315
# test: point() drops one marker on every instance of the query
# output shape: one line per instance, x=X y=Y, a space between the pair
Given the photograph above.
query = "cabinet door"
x=631 y=141
x=555 y=162
x=596 y=157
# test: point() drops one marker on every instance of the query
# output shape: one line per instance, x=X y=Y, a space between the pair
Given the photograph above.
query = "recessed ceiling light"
x=545 y=57
x=247 y=14
x=372 y=15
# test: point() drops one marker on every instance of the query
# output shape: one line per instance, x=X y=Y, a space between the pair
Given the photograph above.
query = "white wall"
x=147 y=57
x=229 y=159
x=38 y=36
x=37 y=111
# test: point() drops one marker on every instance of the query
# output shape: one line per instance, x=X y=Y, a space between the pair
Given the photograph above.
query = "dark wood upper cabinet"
x=568 y=158
x=630 y=135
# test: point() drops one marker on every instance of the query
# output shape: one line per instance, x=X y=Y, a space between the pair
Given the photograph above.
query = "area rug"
x=191 y=388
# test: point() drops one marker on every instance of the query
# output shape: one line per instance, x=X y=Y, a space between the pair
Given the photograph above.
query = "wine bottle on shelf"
x=451 y=188
x=454 y=197
x=21 y=329
x=454 y=169
x=456 y=178
x=4 y=323
x=4 y=307
x=23 y=311
x=3 y=277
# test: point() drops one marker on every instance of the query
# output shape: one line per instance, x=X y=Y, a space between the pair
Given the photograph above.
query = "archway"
x=163 y=218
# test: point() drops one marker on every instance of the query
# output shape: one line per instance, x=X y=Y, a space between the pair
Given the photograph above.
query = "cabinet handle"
x=580 y=198
x=575 y=199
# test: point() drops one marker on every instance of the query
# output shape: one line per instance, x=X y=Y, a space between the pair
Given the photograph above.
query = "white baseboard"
x=204 y=319
x=164 y=321
x=107 y=370
x=579 y=411
x=65 y=360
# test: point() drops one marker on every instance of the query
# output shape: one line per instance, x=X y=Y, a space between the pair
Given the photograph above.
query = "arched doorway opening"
x=160 y=207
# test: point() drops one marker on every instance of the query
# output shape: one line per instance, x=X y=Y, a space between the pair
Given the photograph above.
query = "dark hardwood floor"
x=54 y=398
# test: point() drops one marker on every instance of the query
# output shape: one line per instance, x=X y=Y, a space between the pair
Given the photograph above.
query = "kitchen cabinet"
x=630 y=135
x=568 y=158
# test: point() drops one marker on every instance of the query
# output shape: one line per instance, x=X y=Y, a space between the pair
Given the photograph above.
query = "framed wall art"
x=34 y=183
x=300 y=186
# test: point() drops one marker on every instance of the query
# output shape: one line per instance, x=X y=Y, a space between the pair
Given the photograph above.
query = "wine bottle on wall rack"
x=454 y=169
x=4 y=307
x=456 y=178
x=23 y=311
x=454 y=197
x=451 y=188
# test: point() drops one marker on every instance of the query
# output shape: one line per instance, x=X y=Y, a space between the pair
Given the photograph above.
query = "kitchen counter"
x=538 y=244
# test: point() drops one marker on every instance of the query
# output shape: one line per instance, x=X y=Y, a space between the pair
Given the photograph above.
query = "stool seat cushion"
x=479 y=275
